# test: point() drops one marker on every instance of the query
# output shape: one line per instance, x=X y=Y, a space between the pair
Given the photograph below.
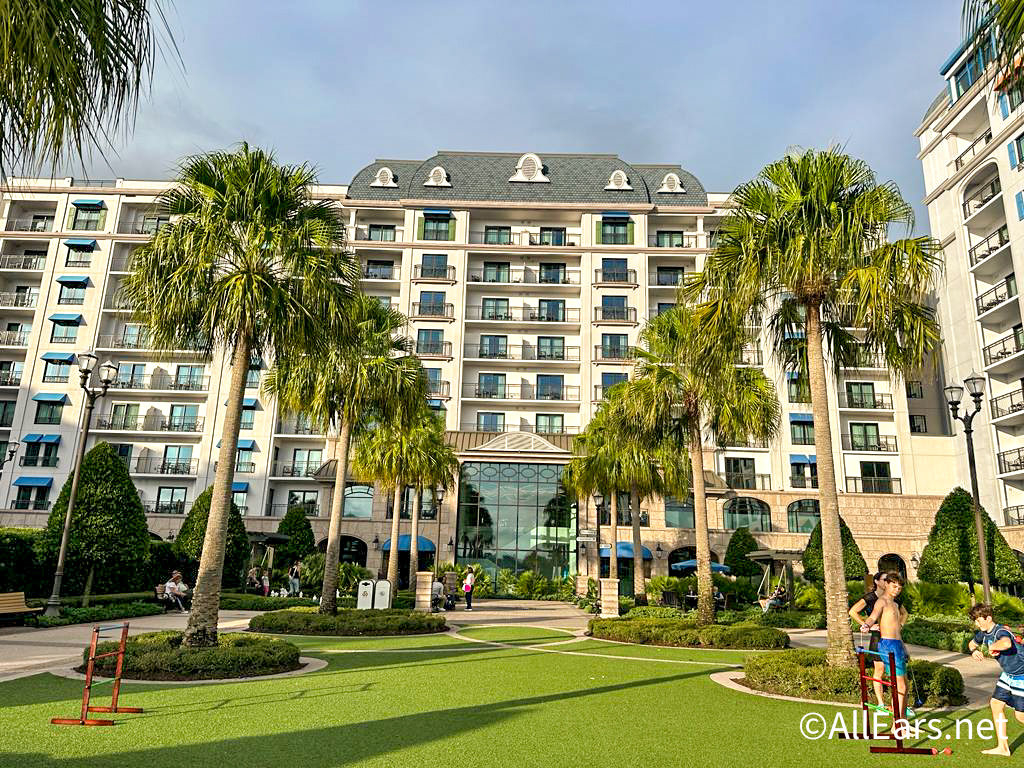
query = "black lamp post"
x=107 y=374
x=976 y=387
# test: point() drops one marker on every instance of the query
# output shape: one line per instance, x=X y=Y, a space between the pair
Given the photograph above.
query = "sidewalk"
x=26 y=651
x=979 y=676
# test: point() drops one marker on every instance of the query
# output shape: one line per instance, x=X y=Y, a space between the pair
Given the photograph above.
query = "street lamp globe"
x=108 y=372
x=954 y=395
x=86 y=362
x=975 y=384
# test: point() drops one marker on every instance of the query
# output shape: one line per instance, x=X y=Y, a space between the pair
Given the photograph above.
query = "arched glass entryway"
x=353 y=550
x=893 y=563
x=683 y=554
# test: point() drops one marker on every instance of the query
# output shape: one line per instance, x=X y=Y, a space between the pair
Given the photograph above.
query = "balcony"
x=165 y=507
x=374 y=233
x=750 y=356
x=1011 y=461
x=429 y=272
x=673 y=240
x=122 y=262
x=802 y=481
x=1014 y=515
x=22 y=262
x=546 y=429
x=30 y=504
x=874 y=485
x=18 y=299
x=159 y=466
x=864 y=401
x=1005 y=347
x=13 y=378
x=976 y=146
x=524 y=352
x=865 y=359
x=748 y=481
x=666 y=279
x=614 y=352
x=14 y=338
x=979 y=199
x=139 y=341
x=295 y=468
x=142 y=227
x=615 y=277
x=1005 y=405
x=615 y=314
x=439 y=388
x=163 y=381
x=870 y=443
x=553 y=238
x=748 y=443
x=524 y=314
x=297 y=427
x=431 y=309
x=990 y=245
x=33 y=224
x=380 y=272
x=280 y=510
x=995 y=296
x=151 y=423
x=501 y=391
x=528 y=276
x=434 y=348
x=37 y=461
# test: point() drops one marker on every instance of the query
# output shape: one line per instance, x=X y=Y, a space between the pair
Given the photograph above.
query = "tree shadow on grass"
x=329 y=747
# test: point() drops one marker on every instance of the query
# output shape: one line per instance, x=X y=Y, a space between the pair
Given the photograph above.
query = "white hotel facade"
x=526 y=280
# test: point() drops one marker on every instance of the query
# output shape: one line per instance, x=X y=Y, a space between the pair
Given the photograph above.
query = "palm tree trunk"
x=396 y=515
x=202 y=620
x=414 y=532
x=705 y=585
x=840 y=636
x=639 y=587
x=613 y=534
x=329 y=603
x=88 y=587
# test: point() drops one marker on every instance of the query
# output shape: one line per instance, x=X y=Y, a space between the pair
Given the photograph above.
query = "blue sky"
x=722 y=88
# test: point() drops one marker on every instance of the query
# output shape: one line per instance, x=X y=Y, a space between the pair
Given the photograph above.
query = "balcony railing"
x=15 y=299
x=673 y=240
x=748 y=481
x=1014 y=515
x=280 y=510
x=143 y=227
x=139 y=341
x=976 y=201
x=434 y=348
x=439 y=388
x=295 y=468
x=524 y=314
x=380 y=272
x=122 y=263
x=626 y=276
x=530 y=276
x=995 y=296
x=293 y=427
x=875 y=443
x=874 y=485
x=12 y=378
x=989 y=245
x=614 y=352
x=500 y=391
x=881 y=401
x=865 y=358
x=385 y=234
x=14 y=338
x=976 y=145
x=22 y=262
x=1010 y=345
x=156 y=465
x=30 y=504
x=557 y=238
x=548 y=429
x=166 y=507
x=671 y=278
x=523 y=352
x=615 y=314
x=431 y=309
x=433 y=272
x=40 y=224
x=1011 y=461
x=37 y=461
x=152 y=423
x=1004 y=405
x=750 y=356
x=802 y=481
x=163 y=381
x=751 y=442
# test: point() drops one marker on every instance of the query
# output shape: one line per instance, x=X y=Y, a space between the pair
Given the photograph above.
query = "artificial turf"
x=501 y=707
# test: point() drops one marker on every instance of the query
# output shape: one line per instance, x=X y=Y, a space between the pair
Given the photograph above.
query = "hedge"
x=950 y=634
x=686 y=633
x=161 y=656
x=20 y=569
x=69 y=615
x=236 y=602
x=306 y=621
x=803 y=673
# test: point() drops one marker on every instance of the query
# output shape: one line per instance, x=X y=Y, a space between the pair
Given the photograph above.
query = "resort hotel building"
x=526 y=279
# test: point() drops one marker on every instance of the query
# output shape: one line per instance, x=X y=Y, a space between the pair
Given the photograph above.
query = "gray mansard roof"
x=485 y=176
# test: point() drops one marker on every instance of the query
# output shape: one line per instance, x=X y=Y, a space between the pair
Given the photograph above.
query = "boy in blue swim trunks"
x=1010 y=687
x=889 y=616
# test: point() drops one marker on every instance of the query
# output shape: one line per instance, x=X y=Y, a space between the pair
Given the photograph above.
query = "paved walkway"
x=979 y=676
x=536 y=613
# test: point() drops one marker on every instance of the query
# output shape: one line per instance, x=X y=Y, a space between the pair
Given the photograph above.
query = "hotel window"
x=184 y=418
x=614 y=346
x=435 y=266
x=40 y=455
x=382 y=232
x=918 y=424
x=610 y=379
x=248 y=417
x=971 y=70
x=747 y=512
x=430 y=341
x=56 y=372
x=494 y=347
x=496 y=272
x=6 y=413
x=802 y=432
x=616 y=231
x=432 y=303
x=130 y=375
x=915 y=390
x=551 y=310
x=189 y=377
x=305 y=499
x=240 y=500
x=670 y=239
x=490 y=422
x=490 y=385
x=550 y=387
x=243 y=460
x=550 y=423
x=498 y=235
x=799 y=390
x=71 y=294
x=434 y=385
x=170 y=501
x=438 y=227
x=679 y=513
x=803 y=516
x=90 y=218
x=552 y=235
x=358 y=501
x=613 y=308
x=10 y=373
x=64 y=333
x=377 y=269
x=550 y=348
x=552 y=274
x=24 y=499
x=494 y=309
x=614 y=271
x=49 y=413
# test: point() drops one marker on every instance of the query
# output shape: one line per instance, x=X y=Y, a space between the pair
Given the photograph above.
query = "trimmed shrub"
x=686 y=633
x=656 y=612
x=237 y=602
x=71 y=615
x=853 y=561
x=161 y=656
x=950 y=634
x=740 y=543
x=163 y=561
x=295 y=525
x=20 y=568
x=306 y=621
x=804 y=673
x=109 y=539
x=189 y=543
x=311 y=578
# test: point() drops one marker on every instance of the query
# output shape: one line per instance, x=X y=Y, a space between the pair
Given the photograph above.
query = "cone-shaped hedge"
x=295 y=524
x=736 y=558
x=190 y=538
x=853 y=561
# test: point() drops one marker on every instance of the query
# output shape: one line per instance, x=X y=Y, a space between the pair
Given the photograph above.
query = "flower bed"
x=306 y=621
x=685 y=633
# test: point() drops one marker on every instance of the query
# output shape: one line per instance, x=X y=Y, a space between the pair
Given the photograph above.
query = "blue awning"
x=423 y=544
x=625 y=549
x=686 y=565
x=438 y=211
x=801 y=418
x=88 y=204
x=33 y=438
x=34 y=482
x=436 y=404
x=52 y=397
x=73 y=280
x=67 y=318
x=51 y=439
x=59 y=357
x=250 y=402
x=239 y=487
x=615 y=214
x=80 y=243
x=799 y=458
x=791 y=375
x=246 y=445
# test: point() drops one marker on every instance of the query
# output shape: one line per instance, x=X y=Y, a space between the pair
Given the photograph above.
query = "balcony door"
x=124 y=416
x=864 y=437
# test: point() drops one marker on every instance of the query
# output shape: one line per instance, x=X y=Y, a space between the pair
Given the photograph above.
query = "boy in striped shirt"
x=1003 y=647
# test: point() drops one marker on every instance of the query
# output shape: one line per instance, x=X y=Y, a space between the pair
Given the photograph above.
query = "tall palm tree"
x=359 y=372
x=808 y=246
x=435 y=466
x=688 y=383
x=74 y=72
x=250 y=264
x=999 y=28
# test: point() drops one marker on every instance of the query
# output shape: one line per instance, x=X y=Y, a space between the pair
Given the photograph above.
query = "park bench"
x=12 y=606
x=160 y=596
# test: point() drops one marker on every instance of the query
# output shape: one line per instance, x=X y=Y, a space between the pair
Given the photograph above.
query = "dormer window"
x=438 y=177
x=618 y=180
x=384 y=178
x=671 y=184
x=529 y=168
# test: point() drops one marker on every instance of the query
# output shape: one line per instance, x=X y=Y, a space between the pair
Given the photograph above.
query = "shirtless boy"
x=889 y=616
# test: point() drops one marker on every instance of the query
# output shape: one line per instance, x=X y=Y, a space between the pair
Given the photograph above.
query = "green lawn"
x=439 y=705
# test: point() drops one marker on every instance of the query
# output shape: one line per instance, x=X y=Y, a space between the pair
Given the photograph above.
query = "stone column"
x=609 y=598
x=424 y=581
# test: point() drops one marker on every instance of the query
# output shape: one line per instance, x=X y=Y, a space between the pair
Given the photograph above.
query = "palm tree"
x=998 y=28
x=435 y=466
x=74 y=73
x=357 y=373
x=251 y=264
x=688 y=383
x=808 y=246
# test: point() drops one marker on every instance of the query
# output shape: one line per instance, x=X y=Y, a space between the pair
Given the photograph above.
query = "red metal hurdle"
x=84 y=718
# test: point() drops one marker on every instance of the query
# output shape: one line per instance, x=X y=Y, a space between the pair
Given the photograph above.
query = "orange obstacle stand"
x=84 y=718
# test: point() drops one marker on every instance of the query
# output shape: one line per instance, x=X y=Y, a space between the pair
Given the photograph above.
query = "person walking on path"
x=467 y=587
x=293 y=578
x=266 y=582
